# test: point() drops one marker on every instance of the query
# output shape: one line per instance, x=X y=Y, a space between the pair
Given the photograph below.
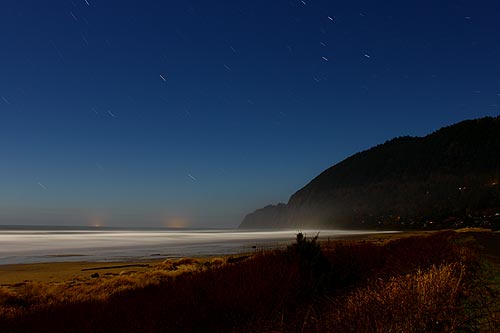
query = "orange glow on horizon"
x=96 y=222
x=176 y=222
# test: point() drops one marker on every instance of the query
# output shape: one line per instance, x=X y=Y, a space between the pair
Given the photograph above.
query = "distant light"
x=324 y=58
x=330 y=18
x=367 y=56
x=96 y=222
x=163 y=78
x=176 y=222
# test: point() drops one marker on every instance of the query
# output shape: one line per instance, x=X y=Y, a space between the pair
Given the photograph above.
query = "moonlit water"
x=50 y=245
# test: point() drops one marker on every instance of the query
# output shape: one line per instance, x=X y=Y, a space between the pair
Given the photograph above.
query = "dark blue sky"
x=193 y=113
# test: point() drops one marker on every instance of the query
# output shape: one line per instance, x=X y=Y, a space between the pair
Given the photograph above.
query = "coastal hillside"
x=449 y=178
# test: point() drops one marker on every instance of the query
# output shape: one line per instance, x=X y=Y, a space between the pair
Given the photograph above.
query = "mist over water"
x=24 y=245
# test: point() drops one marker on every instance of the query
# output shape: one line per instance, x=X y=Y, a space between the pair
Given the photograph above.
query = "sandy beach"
x=57 y=272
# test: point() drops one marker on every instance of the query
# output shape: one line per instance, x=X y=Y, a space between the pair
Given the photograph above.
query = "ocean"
x=53 y=244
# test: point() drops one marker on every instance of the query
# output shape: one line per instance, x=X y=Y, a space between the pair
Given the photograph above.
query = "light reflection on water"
x=46 y=245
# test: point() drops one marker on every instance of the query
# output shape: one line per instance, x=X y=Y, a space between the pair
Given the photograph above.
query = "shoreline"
x=60 y=272
x=31 y=246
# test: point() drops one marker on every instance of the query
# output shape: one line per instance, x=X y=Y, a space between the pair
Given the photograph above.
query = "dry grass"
x=473 y=229
x=424 y=301
x=410 y=284
x=28 y=296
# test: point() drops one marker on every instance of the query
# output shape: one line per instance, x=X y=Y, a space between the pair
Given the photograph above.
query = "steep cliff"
x=452 y=173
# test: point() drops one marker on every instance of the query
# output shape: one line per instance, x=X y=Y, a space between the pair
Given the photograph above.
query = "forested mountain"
x=447 y=178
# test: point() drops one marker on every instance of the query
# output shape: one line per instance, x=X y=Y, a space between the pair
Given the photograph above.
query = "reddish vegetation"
x=412 y=284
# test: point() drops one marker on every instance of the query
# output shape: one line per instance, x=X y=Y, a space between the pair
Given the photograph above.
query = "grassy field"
x=438 y=281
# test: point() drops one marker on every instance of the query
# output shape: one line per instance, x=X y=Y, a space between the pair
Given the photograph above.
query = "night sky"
x=194 y=113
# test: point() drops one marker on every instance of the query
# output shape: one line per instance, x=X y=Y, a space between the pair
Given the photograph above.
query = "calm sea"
x=50 y=244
